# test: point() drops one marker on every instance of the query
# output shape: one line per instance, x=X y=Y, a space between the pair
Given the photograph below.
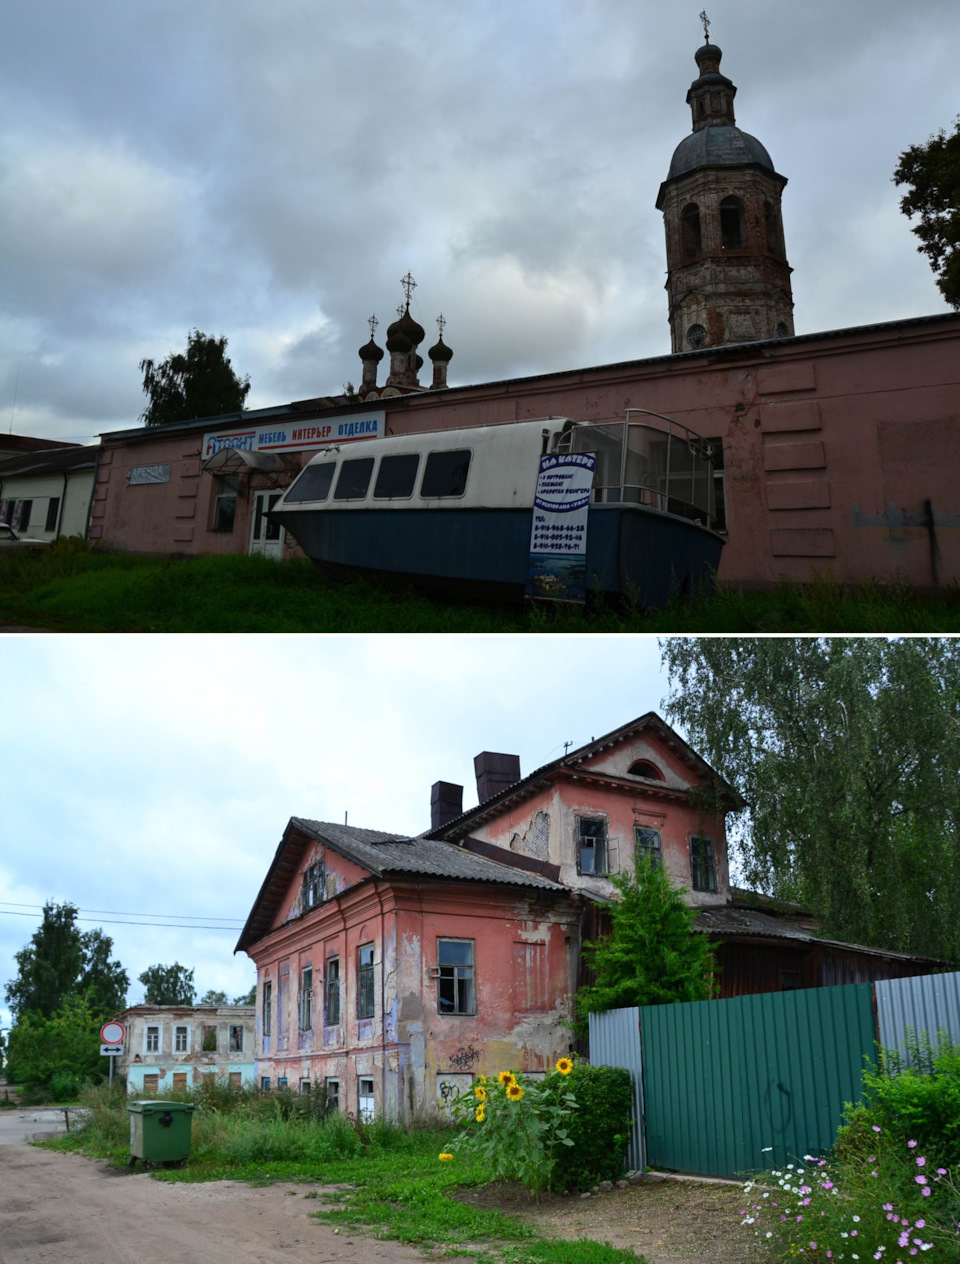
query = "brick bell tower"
x=728 y=279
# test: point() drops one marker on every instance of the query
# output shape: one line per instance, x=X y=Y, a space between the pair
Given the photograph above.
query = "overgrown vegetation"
x=391 y=1175
x=94 y=591
x=891 y=1188
x=651 y=956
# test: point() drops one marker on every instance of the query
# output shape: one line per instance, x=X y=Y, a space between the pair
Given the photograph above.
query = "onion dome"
x=440 y=351
x=404 y=334
x=419 y=363
x=371 y=351
x=718 y=147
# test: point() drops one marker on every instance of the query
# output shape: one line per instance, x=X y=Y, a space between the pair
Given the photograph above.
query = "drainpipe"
x=56 y=536
x=383 y=1010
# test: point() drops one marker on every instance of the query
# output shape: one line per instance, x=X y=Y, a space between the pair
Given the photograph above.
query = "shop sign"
x=558 y=537
x=148 y=474
x=296 y=436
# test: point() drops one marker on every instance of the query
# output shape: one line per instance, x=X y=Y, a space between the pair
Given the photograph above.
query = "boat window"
x=445 y=474
x=354 y=479
x=396 y=476
x=313 y=483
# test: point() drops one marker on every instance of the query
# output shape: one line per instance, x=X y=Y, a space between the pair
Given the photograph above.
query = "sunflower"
x=480 y=1092
x=506 y=1078
x=514 y=1091
x=445 y=1157
x=480 y=1113
x=564 y=1066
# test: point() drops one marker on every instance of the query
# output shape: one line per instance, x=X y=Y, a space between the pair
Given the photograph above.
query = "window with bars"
x=306 y=998
x=703 y=870
x=366 y=993
x=331 y=993
x=455 y=989
x=591 y=845
x=646 y=842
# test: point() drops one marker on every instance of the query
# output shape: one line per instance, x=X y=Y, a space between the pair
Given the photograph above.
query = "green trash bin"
x=159 y=1132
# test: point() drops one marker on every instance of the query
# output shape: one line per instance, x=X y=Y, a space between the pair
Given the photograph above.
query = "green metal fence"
x=753 y=1082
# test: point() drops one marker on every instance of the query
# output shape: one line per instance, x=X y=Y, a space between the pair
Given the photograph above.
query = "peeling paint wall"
x=140 y=1061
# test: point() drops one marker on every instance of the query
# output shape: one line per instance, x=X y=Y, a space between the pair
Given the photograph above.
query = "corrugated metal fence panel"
x=930 y=1003
x=752 y=1082
x=615 y=1041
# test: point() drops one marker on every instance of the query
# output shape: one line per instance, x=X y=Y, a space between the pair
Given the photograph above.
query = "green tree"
x=168 y=985
x=210 y=997
x=61 y=961
x=199 y=382
x=652 y=955
x=248 y=998
x=65 y=1044
x=846 y=751
x=932 y=172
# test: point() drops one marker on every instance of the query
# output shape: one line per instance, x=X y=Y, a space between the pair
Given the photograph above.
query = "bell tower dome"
x=728 y=279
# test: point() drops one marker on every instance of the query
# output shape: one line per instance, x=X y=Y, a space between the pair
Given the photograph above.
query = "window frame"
x=642 y=848
x=366 y=1115
x=311 y=886
x=442 y=453
x=703 y=865
x=599 y=869
x=331 y=991
x=366 y=982
x=53 y=513
x=226 y=489
x=331 y=1082
x=460 y=973
x=235 y=1038
x=397 y=456
x=305 y=1006
x=151 y=1039
x=342 y=468
x=266 y=1009
x=183 y=1032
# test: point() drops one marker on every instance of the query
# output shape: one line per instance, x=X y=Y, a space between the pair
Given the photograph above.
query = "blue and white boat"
x=452 y=509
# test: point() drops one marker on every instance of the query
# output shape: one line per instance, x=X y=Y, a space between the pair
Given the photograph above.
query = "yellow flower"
x=481 y=1114
x=506 y=1078
x=514 y=1092
x=564 y=1066
x=481 y=1092
x=445 y=1157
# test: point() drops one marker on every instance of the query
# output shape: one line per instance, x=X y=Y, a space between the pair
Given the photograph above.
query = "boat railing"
x=666 y=467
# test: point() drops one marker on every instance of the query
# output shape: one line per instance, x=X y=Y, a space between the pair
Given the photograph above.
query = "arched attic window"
x=731 y=224
x=644 y=768
x=691 y=240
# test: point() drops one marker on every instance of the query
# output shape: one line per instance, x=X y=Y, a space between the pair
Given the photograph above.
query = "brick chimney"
x=494 y=773
x=446 y=803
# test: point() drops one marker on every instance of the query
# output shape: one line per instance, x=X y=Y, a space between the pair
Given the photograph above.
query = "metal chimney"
x=446 y=803
x=494 y=773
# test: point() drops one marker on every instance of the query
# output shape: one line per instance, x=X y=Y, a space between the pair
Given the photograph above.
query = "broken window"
x=332 y=1091
x=236 y=1039
x=267 y=1001
x=209 y=1040
x=366 y=994
x=731 y=224
x=647 y=843
x=181 y=1041
x=644 y=768
x=282 y=1082
x=691 y=240
x=304 y=1088
x=591 y=845
x=312 y=889
x=306 y=999
x=366 y=1106
x=455 y=991
x=264 y=1083
x=153 y=1040
x=702 y=865
x=331 y=993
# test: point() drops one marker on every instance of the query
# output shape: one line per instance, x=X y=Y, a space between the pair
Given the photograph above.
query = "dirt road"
x=63 y=1208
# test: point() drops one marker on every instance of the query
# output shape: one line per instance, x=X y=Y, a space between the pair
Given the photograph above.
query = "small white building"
x=47 y=494
x=175 y=1046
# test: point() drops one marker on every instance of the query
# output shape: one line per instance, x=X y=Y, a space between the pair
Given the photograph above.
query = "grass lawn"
x=396 y=1186
x=69 y=590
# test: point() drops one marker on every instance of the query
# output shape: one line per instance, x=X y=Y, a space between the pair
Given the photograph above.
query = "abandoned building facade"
x=170 y=1047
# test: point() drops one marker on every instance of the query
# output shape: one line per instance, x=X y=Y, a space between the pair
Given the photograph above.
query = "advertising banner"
x=300 y=436
x=558 y=538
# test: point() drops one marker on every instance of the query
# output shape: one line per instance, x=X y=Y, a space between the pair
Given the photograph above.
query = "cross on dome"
x=373 y=323
x=441 y=324
x=706 y=26
x=409 y=285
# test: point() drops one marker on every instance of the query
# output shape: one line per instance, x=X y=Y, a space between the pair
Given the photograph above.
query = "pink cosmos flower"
x=925 y=1191
x=877 y=1128
x=920 y=1179
x=920 y=1160
x=921 y=1224
x=911 y=1144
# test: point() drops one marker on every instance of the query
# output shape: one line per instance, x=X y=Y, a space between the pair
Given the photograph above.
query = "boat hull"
x=632 y=551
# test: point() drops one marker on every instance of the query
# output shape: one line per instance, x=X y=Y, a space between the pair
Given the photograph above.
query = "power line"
x=189 y=917
x=105 y=922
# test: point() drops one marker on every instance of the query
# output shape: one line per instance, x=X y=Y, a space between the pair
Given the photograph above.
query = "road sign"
x=112 y=1033
x=111 y=1051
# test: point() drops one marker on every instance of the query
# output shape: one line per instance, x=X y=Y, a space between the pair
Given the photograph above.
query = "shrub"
x=599 y=1129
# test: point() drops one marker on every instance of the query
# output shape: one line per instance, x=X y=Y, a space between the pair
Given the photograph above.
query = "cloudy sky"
x=269 y=172
x=155 y=775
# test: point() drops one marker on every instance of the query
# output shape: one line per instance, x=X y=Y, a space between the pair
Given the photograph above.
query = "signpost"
x=112 y=1036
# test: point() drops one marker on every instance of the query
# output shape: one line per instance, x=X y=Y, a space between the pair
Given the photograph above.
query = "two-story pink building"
x=392 y=970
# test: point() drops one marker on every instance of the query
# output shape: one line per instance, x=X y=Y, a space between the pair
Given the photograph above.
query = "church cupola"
x=440 y=356
x=728 y=279
x=403 y=338
x=371 y=355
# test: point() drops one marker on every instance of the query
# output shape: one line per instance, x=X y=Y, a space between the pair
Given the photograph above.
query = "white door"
x=265 y=537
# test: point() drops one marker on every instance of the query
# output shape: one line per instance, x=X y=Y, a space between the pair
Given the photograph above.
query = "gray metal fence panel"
x=929 y=1003
x=615 y=1041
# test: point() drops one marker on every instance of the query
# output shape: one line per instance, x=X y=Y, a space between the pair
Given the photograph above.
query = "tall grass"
x=72 y=591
